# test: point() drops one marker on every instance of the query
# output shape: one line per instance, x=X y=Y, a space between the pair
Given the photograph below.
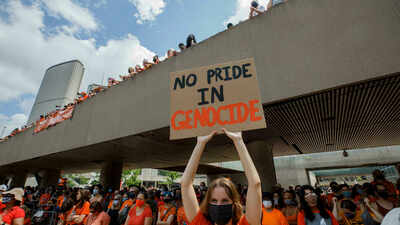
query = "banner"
x=211 y=97
x=54 y=119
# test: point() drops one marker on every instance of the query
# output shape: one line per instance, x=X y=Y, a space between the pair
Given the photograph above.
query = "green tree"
x=130 y=177
x=172 y=176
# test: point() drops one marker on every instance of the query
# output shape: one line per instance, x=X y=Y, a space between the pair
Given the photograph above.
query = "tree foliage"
x=130 y=177
x=172 y=176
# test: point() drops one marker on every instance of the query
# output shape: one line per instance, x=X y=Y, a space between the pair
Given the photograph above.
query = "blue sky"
x=36 y=34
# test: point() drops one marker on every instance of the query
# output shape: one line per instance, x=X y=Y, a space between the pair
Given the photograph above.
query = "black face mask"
x=220 y=214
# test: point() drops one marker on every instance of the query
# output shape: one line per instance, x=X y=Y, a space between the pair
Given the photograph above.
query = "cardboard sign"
x=211 y=97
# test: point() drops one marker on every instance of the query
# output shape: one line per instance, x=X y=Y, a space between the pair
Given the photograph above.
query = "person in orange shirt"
x=380 y=179
x=221 y=204
x=147 y=64
x=156 y=60
x=81 y=209
x=65 y=211
x=271 y=215
x=313 y=209
x=290 y=209
x=140 y=213
x=138 y=69
x=60 y=200
x=97 y=216
x=128 y=199
x=180 y=215
x=171 y=53
x=166 y=212
x=44 y=200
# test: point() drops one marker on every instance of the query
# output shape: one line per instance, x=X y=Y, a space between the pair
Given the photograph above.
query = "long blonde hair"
x=232 y=193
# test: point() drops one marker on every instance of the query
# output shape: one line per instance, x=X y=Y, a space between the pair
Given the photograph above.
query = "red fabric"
x=54 y=118
x=2 y=206
x=201 y=220
x=139 y=220
x=27 y=221
x=14 y=213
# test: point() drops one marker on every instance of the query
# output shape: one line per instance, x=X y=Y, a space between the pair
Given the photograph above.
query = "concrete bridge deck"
x=302 y=50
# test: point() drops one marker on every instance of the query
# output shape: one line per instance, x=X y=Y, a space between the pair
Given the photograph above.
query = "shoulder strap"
x=165 y=214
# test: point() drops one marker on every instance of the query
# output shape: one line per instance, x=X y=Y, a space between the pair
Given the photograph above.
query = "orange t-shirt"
x=162 y=210
x=201 y=220
x=44 y=199
x=301 y=219
x=275 y=217
x=60 y=200
x=181 y=217
x=128 y=203
x=85 y=210
x=139 y=219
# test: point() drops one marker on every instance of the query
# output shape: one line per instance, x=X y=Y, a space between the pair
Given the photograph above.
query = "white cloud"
x=8 y=124
x=77 y=15
x=148 y=10
x=242 y=11
x=26 y=52
x=93 y=3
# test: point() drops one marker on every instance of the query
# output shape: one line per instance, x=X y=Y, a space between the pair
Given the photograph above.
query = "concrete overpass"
x=328 y=76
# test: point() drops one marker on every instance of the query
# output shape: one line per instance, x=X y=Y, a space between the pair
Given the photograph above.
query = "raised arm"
x=189 y=199
x=253 y=199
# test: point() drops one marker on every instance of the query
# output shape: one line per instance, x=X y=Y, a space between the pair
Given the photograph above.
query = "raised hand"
x=207 y=138
x=235 y=136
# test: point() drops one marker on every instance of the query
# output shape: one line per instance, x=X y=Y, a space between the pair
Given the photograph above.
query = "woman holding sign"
x=221 y=204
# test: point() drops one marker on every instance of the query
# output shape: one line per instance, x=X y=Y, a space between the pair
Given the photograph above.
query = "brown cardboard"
x=242 y=92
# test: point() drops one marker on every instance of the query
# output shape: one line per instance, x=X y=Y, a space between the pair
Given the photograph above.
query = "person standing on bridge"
x=256 y=9
x=221 y=204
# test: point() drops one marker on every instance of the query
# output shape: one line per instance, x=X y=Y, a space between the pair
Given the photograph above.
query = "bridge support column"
x=110 y=176
x=48 y=177
x=18 y=179
x=261 y=153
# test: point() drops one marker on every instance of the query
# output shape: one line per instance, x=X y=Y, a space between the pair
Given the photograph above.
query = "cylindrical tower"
x=59 y=87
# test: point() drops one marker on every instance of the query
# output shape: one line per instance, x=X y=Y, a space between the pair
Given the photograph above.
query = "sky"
x=107 y=36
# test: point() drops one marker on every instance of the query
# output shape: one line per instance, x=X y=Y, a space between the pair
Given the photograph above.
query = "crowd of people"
x=222 y=202
x=95 y=205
